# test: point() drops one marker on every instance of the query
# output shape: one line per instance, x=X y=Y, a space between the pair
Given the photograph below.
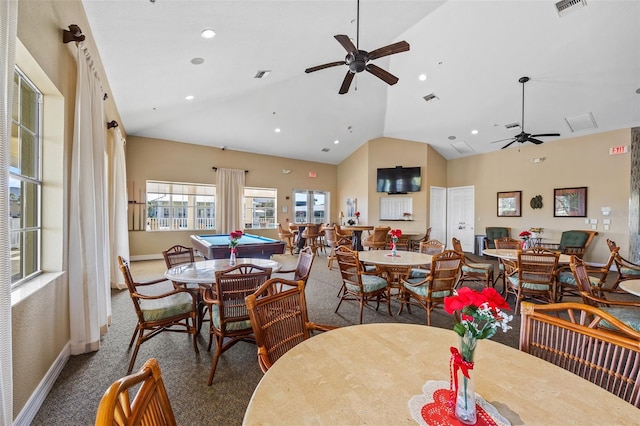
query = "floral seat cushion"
x=166 y=307
x=629 y=316
x=477 y=268
x=424 y=289
x=370 y=283
x=516 y=283
x=230 y=326
x=566 y=277
x=629 y=271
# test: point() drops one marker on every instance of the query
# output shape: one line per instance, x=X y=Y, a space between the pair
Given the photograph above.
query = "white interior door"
x=438 y=213
x=460 y=216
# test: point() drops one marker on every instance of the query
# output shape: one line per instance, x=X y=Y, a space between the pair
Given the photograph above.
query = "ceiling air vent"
x=581 y=122
x=567 y=6
x=462 y=147
x=262 y=73
x=512 y=125
x=325 y=150
x=430 y=97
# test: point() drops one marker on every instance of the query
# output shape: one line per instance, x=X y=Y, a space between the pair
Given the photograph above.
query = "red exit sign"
x=620 y=149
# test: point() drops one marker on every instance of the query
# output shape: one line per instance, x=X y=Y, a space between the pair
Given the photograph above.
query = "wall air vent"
x=325 y=150
x=430 y=97
x=262 y=73
x=462 y=147
x=565 y=7
x=512 y=125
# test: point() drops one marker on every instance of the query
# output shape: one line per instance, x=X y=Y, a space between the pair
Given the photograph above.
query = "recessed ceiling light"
x=422 y=77
x=197 y=61
x=208 y=33
x=277 y=130
x=451 y=138
x=189 y=97
x=474 y=132
x=336 y=142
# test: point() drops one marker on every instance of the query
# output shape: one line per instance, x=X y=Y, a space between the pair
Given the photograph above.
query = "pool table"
x=216 y=246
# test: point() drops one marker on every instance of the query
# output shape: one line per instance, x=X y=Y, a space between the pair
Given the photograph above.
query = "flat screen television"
x=399 y=180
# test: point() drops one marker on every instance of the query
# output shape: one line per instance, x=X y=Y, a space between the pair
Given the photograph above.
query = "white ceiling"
x=472 y=52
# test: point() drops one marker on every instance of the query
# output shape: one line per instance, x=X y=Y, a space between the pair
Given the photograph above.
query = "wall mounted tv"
x=399 y=180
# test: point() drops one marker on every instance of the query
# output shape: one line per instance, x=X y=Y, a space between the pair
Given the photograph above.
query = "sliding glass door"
x=311 y=206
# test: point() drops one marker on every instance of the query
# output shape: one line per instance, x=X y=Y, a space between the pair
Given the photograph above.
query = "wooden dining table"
x=630 y=286
x=356 y=234
x=367 y=374
x=511 y=254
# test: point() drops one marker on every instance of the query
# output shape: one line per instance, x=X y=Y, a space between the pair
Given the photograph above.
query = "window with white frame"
x=173 y=206
x=25 y=180
x=260 y=208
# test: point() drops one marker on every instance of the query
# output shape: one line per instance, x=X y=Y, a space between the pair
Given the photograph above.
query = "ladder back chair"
x=303 y=267
x=535 y=277
x=149 y=405
x=159 y=310
x=569 y=335
x=473 y=271
x=627 y=312
x=228 y=315
x=429 y=292
x=278 y=312
x=358 y=284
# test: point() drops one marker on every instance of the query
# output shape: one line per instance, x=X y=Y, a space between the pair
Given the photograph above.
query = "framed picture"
x=570 y=202
x=510 y=204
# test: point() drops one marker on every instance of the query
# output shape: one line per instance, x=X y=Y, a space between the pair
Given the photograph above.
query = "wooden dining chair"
x=627 y=270
x=473 y=271
x=287 y=237
x=377 y=240
x=359 y=284
x=429 y=292
x=228 y=316
x=507 y=243
x=278 y=312
x=570 y=336
x=149 y=404
x=333 y=240
x=430 y=247
x=627 y=312
x=158 y=310
x=415 y=244
x=535 y=277
x=303 y=266
x=597 y=276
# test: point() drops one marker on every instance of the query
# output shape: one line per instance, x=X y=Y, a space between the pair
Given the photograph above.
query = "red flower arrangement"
x=357 y=214
x=525 y=235
x=234 y=239
x=395 y=234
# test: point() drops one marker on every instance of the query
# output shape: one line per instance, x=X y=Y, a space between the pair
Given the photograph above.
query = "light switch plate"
x=606 y=227
x=606 y=221
x=594 y=227
x=586 y=221
x=594 y=221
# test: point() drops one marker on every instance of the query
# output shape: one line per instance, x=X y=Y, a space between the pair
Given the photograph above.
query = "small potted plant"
x=406 y=216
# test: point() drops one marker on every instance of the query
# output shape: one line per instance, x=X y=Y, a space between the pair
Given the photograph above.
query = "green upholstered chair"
x=493 y=233
x=627 y=312
x=573 y=242
x=473 y=271
x=535 y=277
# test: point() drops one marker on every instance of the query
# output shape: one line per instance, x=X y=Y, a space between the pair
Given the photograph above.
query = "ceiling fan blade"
x=401 y=46
x=533 y=140
x=346 y=83
x=321 y=67
x=509 y=144
x=383 y=75
x=545 y=134
x=502 y=140
x=346 y=42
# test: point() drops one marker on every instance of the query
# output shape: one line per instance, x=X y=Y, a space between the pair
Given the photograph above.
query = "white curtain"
x=89 y=290
x=229 y=198
x=8 y=25
x=118 y=225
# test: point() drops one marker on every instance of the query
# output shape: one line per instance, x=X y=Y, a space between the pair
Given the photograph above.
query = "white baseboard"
x=30 y=409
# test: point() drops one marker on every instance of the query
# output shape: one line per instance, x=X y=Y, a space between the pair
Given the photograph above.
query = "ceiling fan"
x=523 y=136
x=358 y=60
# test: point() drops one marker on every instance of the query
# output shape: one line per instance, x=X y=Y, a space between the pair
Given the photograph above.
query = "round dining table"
x=511 y=254
x=366 y=374
x=204 y=271
x=402 y=258
x=630 y=286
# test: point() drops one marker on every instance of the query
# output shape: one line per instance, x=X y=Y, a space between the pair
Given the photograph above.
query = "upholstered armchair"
x=493 y=233
x=573 y=242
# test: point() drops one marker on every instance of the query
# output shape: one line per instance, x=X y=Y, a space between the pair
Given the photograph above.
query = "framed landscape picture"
x=510 y=204
x=570 y=202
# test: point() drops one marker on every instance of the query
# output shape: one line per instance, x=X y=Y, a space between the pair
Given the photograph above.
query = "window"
x=260 y=208
x=311 y=206
x=179 y=206
x=25 y=184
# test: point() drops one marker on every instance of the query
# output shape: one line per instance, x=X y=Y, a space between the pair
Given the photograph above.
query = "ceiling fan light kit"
x=358 y=60
x=523 y=136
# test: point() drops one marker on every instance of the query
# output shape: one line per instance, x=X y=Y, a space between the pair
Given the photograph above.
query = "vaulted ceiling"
x=583 y=64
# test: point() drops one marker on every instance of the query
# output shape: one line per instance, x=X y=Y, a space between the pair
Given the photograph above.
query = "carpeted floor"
x=75 y=396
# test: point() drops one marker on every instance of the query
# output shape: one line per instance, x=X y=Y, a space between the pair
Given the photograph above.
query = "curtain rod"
x=216 y=169
x=112 y=123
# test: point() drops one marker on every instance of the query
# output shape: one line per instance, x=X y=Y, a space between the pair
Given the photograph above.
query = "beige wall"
x=157 y=159
x=572 y=162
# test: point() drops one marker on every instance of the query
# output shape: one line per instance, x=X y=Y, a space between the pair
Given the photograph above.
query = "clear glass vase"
x=466 y=396
x=232 y=257
x=394 y=250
